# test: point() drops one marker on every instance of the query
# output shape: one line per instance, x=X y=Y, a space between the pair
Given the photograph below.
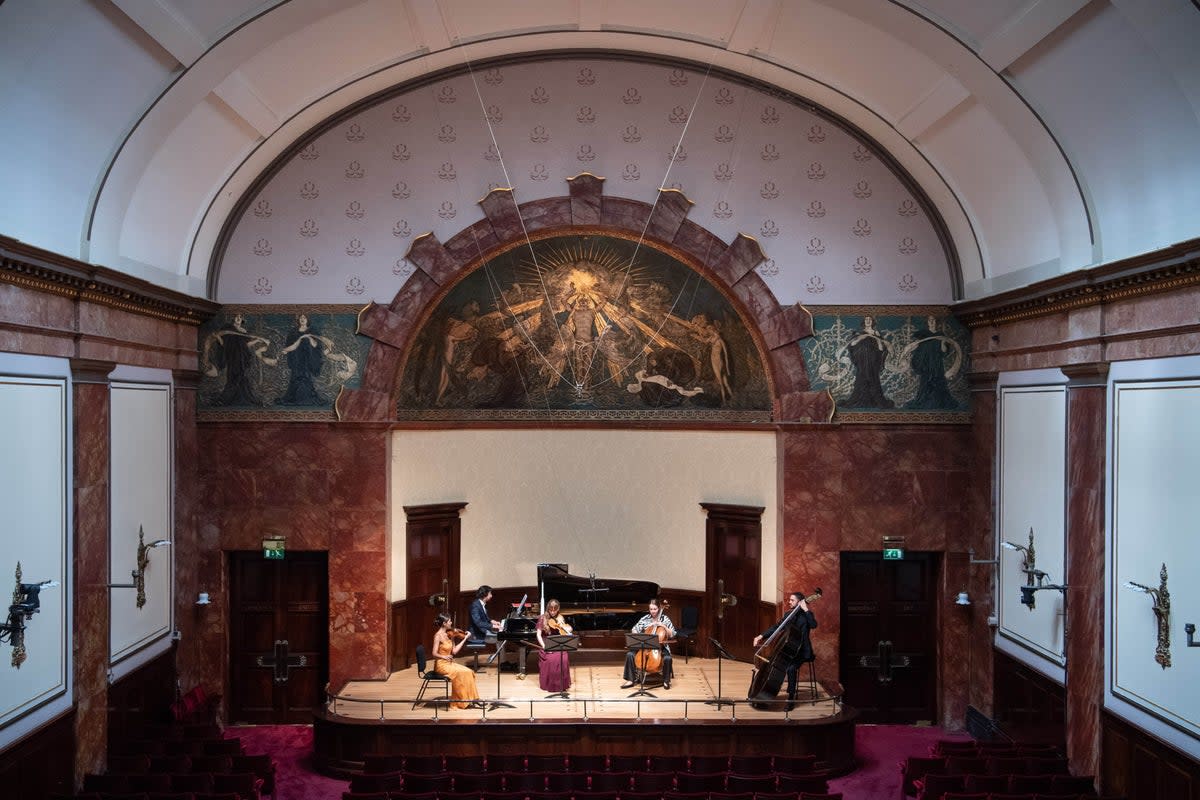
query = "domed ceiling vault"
x=1039 y=154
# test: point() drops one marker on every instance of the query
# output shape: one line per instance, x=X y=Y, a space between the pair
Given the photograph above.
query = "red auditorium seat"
x=706 y=764
x=169 y=796
x=424 y=765
x=611 y=781
x=966 y=765
x=505 y=762
x=216 y=796
x=149 y=782
x=668 y=764
x=813 y=796
x=1046 y=765
x=129 y=764
x=696 y=782
x=795 y=765
x=751 y=765
x=365 y=796
x=590 y=762
x=1032 y=784
x=627 y=763
x=913 y=768
x=376 y=763
x=985 y=783
x=1011 y=796
x=1073 y=784
x=574 y=782
x=212 y=764
x=751 y=783
x=381 y=782
x=112 y=783
x=465 y=765
x=935 y=784
x=262 y=765
x=539 y=763
x=196 y=782
x=478 y=782
x=654 y=782
x=965 y=796
x=245 y=784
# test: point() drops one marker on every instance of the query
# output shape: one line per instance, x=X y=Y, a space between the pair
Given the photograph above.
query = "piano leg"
x=521 y=653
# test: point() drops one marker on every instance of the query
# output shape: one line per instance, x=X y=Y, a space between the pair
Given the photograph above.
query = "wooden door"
x=734 y=562
x=889 y=636
x=432 y=542
x=279 y=636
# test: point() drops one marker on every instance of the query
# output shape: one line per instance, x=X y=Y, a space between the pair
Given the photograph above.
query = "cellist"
x=655 y=621
x=803 y=622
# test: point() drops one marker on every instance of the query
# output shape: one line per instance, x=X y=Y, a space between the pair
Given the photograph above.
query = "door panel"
x=432 y=536
x=889 y=636
x=734 y=567
x=284 y=601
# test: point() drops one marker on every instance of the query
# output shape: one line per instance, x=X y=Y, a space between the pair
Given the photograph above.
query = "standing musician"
x=554 y=669
x=462 y=678
x=482 y=627
x=655 y=619
x=803 y=622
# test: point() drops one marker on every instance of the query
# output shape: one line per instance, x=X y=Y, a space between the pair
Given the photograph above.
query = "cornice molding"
x=1163 y=270
x=44 y=271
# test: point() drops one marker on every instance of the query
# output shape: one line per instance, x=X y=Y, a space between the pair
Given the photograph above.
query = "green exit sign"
x=273 y=548
x=893 y=554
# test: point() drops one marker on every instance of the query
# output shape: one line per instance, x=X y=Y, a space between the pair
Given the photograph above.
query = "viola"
x=557 y=625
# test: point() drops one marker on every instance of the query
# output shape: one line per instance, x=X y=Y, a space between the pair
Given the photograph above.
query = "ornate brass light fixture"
x=1162 y=613
x=143 y=562
x=25 y=603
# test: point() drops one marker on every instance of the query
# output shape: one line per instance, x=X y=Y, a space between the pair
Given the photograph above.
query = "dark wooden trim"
x=143 y=696
x=1028 y=705
x=340 y=743
x=1140 y=766
x=1163 y=270
x=41 y=764
x=45 y=271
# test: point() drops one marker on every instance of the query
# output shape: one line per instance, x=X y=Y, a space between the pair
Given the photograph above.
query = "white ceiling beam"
x=430 y=24
x=754 y=26
x=239 y=94
x=945 y=96
x=1026 y=28
x=167 y=27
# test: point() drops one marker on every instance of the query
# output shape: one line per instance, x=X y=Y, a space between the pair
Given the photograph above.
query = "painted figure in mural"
x=235 y=351
x=305 y=350
x=458 y=330
x=574 y=353
x=868 y=351
x=718 y=354
x=927 y=354
x=501 y=356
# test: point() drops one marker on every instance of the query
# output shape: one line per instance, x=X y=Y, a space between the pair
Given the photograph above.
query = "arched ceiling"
x=1047 y=136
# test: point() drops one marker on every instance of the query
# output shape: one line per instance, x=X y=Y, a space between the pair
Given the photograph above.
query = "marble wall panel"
x=26 y=307
x=586 y=200
x=700 y=243
x=548 y=213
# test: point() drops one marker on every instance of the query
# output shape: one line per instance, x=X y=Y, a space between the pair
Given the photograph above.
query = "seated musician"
x=650 y=623
x=554 y=669
x=482 y=627
x=462 y=678
x=802 y=623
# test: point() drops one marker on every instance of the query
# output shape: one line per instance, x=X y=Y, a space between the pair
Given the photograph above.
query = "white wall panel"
x=616 y=503
x=1032 y=485
x=1155 y=514
x=141 y=499
x=34 y=488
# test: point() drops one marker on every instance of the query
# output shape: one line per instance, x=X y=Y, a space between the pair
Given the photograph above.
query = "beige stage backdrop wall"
x=621 y=504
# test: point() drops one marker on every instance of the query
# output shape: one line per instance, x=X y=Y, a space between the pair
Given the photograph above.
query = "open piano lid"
x=577 y=593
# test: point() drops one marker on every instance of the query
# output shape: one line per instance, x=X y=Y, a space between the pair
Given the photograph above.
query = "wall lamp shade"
x=963 y=599
x=26 y=601
x=203 y=599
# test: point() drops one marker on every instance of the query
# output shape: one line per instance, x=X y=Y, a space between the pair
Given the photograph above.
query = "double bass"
x=771 y=660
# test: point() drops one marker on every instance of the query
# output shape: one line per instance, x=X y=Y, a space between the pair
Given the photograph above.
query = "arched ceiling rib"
x=1049 y=135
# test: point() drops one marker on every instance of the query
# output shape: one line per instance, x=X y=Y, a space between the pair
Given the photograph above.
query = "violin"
x=455 y=634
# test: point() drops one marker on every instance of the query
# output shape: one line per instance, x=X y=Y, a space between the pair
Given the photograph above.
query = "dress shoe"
x=666 y=684
x=627 y=685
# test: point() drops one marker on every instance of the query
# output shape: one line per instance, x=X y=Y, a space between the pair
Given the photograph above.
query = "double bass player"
x=802 y=623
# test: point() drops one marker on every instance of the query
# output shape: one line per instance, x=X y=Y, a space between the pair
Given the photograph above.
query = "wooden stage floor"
x=377 y=716
x=595 y=694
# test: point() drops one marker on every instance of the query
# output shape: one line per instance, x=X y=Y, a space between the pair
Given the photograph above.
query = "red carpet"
x=879 y=749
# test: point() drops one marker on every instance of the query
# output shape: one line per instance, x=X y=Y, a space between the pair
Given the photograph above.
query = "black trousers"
x=631 y=671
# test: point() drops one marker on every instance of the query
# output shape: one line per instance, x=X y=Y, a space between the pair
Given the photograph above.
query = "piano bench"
x=474 y=647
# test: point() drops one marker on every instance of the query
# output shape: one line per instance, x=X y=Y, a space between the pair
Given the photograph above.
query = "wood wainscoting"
x=1141 y=767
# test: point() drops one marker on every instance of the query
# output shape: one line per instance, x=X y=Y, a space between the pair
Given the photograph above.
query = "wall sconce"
x=1162 y=613
x=963 y=599
x=143 y=561
x=203 y=599
x=1029 y=567
x=25 y=603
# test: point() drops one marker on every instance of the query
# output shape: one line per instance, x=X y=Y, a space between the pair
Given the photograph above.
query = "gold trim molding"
x=1165 y=270
x=43 y=271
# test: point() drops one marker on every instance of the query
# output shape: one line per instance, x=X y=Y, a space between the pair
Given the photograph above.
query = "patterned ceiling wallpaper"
x=334 y=222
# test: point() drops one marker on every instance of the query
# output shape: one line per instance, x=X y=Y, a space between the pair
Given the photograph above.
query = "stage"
x=599 y=716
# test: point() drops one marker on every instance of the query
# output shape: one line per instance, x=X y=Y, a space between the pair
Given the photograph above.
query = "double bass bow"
x=772 y=658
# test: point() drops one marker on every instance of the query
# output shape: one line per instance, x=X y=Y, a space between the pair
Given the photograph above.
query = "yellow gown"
x=462 y=678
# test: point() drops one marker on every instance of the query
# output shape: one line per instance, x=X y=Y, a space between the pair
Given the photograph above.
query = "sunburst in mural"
x=584 y=322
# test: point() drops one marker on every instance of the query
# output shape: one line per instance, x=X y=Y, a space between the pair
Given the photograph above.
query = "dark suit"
x=481 y=624
x=802 y=623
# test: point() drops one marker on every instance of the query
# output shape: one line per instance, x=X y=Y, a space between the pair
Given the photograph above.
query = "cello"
x=771 y=660
x=650 y=661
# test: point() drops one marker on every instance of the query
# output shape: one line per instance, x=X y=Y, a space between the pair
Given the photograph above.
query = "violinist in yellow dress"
x=462 y=678
x=554 y=669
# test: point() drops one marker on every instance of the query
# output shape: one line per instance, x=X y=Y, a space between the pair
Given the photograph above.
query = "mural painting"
x=893 y=361
x=285 y=361
x=584 y=323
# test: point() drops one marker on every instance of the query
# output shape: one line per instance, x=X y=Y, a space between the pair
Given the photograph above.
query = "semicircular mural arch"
x=580 y=322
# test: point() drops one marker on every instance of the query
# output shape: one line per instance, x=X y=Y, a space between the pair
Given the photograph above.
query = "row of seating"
x=212 y=746
x=581 y=783
x=590 y=796
x=247 y=785
x=946 y=747
x=591 y=762
x=934 y=786
x=261 y=764
x=1009 y=796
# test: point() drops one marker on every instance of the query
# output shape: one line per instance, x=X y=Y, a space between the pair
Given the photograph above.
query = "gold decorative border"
x=903 y=417
x=1162 y=271
x=560 y=414
x=44 y=271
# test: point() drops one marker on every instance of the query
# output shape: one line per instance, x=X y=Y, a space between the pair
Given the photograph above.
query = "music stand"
x=642 y=642
x=562 y=643
x=722 y=654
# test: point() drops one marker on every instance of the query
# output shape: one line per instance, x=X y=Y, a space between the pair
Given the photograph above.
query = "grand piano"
x=600 y=610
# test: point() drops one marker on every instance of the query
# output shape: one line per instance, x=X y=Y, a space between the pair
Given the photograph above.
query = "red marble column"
x=980 y=538
x=1086 y=453
x=191 y=621
x=90 y=398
